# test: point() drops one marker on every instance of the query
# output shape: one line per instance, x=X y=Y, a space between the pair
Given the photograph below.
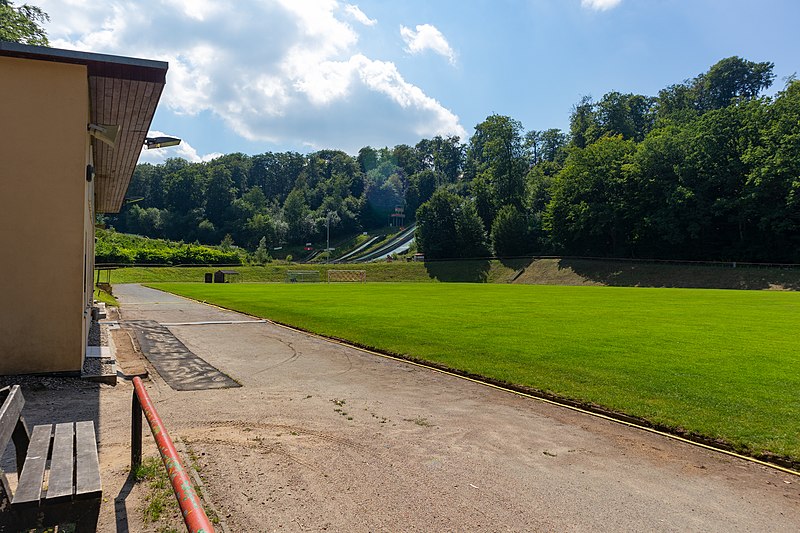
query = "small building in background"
x=72 y=126
x=226 y=276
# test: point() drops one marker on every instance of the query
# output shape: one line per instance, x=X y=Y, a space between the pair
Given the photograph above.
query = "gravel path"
x=324 y=437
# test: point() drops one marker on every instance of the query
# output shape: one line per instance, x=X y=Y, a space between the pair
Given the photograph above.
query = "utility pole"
x=328 y=247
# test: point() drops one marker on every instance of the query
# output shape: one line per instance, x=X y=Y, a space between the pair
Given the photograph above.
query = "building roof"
x=123 y=91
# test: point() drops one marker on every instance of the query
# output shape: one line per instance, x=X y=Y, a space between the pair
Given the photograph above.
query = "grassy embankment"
x=523 y=271
x=722 y=364
x=276 y=272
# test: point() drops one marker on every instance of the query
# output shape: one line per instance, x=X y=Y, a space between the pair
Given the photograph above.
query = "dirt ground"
x=322 y=437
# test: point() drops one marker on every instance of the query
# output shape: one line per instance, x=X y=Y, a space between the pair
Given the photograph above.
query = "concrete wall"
x=45 y=221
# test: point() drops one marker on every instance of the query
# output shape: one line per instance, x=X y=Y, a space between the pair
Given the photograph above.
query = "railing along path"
x=192 y=510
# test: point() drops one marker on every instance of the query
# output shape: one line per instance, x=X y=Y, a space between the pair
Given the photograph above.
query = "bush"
x=112 y=247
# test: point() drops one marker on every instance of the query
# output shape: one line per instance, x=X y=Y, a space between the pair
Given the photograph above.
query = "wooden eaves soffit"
x=123 y=91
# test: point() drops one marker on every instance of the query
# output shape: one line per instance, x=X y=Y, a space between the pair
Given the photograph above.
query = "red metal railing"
x=191 y=508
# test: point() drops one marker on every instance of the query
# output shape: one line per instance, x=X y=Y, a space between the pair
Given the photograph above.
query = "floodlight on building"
x=132 y=200
x=105 y=132
x=161 y=142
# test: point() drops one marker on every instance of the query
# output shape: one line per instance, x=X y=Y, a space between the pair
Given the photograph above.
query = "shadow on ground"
x=626 y=274
x=476 y=271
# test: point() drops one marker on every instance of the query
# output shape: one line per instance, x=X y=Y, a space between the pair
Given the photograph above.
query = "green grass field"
x=724 y=364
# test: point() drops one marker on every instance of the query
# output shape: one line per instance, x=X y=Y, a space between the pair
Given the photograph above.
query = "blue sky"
x=275 y=75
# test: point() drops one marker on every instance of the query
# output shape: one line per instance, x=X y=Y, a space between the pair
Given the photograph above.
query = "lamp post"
x=328 y=246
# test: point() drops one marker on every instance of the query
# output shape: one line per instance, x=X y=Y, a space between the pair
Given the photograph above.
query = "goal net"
x=302 y=276
x=352 y=276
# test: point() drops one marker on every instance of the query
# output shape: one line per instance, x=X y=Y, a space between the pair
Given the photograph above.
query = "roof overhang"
x=123 y=91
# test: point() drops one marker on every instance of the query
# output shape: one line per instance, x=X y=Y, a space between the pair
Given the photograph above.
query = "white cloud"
x=600 y=5
x=184 y=150
x=427 y=37
x=359 y=15
x=198 y=9
x=288 y=72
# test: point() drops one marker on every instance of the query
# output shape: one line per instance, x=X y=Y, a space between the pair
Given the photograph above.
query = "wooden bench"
x=68 y=492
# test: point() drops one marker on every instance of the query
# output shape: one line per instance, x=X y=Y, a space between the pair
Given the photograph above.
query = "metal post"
x=193 y=514
x=136 y=432
x=328 y=247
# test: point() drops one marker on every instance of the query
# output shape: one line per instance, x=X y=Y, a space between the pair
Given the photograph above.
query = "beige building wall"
x=45 y=216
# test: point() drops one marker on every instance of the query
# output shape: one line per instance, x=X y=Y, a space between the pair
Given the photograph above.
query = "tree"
x=496 y=155
x=367 y=159
x=727 y=81
x=730 y=79
x=444 y=156
x=470 y=232
x=588 y=212
x=449 y=227
x=239 y=166
x=582 y=123
x=185 y=190
x=553 y=145
x=509 y=232
x=261 y=255
x=421 y=187
x=227 y=245
x=295 y=211
x=276 y=174
x=220 y=195
x=773 y=183
x=23 y=24
x=485 y=206
x=407 y=159
x=547 y=145
x=629 y=115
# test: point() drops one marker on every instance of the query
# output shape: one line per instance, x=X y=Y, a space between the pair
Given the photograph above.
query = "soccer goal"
x=352 y=276
x=302 y=276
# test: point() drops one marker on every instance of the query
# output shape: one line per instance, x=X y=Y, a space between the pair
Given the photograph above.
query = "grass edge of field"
x=785 y=461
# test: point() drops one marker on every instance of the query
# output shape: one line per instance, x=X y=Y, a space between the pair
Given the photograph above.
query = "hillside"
x=642 y=274
x=518 y=271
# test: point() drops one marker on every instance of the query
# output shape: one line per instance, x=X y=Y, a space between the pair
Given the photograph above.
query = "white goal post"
x=302 y=276
x=352 y=276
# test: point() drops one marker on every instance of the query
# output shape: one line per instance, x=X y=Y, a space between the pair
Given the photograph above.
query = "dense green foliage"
x=285 y=198
x=449 y=227
x=22 y=24
x=717 y=363
x=706 y=170
x=119 y=248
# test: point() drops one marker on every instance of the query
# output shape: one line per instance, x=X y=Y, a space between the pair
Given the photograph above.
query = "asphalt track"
x=321 y=435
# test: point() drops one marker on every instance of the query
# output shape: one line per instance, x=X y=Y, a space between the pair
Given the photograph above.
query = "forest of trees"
x=285 y=197
x=708 y=169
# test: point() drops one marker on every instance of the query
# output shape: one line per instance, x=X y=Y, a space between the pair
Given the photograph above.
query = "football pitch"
x=723 y=364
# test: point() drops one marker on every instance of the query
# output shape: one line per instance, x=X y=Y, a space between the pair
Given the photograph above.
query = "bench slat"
x=29 y=488
x=9 y=414
x=62 y=463
x=88 y=466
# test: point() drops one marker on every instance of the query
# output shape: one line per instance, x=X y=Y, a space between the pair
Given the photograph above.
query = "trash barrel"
x=209 y=277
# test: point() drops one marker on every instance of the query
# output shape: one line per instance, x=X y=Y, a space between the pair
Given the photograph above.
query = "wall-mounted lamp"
x=161 y=142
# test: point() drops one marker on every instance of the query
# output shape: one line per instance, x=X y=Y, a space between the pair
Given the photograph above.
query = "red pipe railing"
x=192 y=510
